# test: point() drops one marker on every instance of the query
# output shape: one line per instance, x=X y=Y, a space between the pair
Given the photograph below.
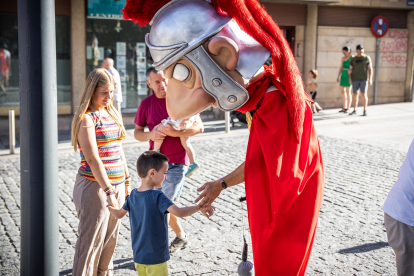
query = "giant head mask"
x=210 y=52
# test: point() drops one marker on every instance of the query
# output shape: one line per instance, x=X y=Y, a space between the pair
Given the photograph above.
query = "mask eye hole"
x=181 y=72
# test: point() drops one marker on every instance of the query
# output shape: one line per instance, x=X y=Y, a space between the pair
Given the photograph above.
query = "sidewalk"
x=387 y=125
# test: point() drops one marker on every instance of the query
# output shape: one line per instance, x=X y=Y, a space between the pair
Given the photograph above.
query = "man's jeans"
x=174 y=183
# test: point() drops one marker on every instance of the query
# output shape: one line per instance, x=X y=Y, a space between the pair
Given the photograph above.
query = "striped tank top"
x=108 y=139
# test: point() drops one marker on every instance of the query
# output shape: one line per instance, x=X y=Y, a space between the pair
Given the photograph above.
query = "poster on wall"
x=121 y=48
x=105 y=9
x=141 y=50
x=141 y=76
x=410 y=2
x=100 y=53
x=124 y=94
x=120 y=62
x=142 y=89
x=88 y=52
x=122 y=74
x=142 y=63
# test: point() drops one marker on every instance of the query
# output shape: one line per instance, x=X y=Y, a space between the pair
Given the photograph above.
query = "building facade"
x=87 y=31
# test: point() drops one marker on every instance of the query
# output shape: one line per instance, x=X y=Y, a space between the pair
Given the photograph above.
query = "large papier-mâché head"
x=210 y=52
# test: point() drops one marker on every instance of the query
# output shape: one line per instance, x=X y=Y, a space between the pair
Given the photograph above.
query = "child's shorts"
x=152 y=270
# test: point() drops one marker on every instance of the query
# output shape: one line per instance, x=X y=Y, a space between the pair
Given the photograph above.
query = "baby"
x=181 y=125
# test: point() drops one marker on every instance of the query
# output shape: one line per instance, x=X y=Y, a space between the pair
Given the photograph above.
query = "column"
x=77 y=50
x=310 y=39
x=408 y=95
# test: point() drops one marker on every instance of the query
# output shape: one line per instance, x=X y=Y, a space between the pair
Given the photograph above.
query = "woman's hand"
x=127 y=191
x=337 y=79
x=211 y=190
x=112 y=201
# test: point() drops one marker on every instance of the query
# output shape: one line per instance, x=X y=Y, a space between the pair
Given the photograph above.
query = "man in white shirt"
x=399 y=216
x=108 y=64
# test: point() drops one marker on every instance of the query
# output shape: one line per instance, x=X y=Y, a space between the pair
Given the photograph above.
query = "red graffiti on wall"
x=397 y=34
x=396 y=59
x=395 y=45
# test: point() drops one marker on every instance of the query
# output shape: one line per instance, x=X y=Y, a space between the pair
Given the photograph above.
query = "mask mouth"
x=229 y=94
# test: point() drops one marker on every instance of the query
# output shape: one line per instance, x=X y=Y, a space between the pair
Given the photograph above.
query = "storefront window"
x=124 y=42
x=9 y=60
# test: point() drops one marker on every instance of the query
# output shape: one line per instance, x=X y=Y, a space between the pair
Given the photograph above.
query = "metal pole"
x=12 y=132
x=227 y=121
x=38 y=127
x=376 y=71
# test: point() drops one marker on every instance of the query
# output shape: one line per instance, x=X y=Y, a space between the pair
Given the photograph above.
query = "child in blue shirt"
x=148 y=210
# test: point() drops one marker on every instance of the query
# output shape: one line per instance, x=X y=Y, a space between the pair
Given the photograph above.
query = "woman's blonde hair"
x=314 y=72
x=97 y=78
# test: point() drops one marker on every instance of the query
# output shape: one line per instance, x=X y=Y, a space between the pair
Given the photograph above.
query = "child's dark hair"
x=346 y=48
x=150 y=160
x=314 y=72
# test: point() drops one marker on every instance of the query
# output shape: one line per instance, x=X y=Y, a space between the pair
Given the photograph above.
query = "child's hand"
x=208 y=211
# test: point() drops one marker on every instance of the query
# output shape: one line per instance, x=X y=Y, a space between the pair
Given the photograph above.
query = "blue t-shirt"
x=400 y=201
x=149 y=227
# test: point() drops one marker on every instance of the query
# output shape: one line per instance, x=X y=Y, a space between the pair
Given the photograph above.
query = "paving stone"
x=350 y=238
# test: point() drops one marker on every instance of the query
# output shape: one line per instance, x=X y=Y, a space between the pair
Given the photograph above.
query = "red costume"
x=284 y=176
x=284 y=182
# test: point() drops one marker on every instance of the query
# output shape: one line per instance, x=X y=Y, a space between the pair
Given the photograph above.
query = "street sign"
x=379 y=26
x=105 y=9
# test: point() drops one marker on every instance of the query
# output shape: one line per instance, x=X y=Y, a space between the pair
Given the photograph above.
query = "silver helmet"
x=180 y=28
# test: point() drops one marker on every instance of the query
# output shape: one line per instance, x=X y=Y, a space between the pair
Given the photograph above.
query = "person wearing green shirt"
x=360 y=76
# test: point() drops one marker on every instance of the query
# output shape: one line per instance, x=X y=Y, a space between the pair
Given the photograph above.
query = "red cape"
x=284 y=183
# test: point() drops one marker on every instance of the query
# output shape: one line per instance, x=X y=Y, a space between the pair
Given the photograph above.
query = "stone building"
x=89 y=30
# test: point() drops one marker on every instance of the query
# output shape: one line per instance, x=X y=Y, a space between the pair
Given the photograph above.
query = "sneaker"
x=365 y=113
x=318 y=110
x=345 y=110
x=193 y=167
x=342 y=110
x=178 y=244
x=353 y=112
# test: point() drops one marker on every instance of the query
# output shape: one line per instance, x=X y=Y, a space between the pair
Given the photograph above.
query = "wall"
x=402 y=4
x=392 y=63
x=300 y=46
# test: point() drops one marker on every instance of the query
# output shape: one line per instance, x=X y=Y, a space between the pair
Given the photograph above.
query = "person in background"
x=360 y=76
x=399 y=216
x=343 y=79
x=313 y=85
x=148 y=209
x=151 y=111
x=103 y=177
x=4 y=67
x=108 y=64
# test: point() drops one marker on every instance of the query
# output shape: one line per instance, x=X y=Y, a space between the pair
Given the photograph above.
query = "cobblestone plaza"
x=350 y=239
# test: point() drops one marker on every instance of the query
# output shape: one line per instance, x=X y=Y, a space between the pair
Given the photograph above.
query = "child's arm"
x=183 y=211
x=188 y=211
x=118 y=213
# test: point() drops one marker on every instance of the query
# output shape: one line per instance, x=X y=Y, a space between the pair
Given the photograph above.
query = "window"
x=124 y=42
x=9 y=60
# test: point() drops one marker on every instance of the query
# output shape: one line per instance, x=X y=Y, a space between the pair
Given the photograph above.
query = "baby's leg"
x=185 y=142
x=157 y=145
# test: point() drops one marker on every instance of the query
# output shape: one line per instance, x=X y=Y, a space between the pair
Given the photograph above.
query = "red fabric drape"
x=284 y=182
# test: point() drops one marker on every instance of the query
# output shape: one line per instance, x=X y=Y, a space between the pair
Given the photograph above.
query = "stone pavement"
x=350 y=239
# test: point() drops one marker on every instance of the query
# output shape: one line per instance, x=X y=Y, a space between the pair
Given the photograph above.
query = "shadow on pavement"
x=364 y=248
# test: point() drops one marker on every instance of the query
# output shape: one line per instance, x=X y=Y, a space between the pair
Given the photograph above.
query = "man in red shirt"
x=151 y=112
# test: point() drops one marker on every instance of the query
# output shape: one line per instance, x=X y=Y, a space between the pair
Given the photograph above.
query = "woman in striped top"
x=103 y=178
